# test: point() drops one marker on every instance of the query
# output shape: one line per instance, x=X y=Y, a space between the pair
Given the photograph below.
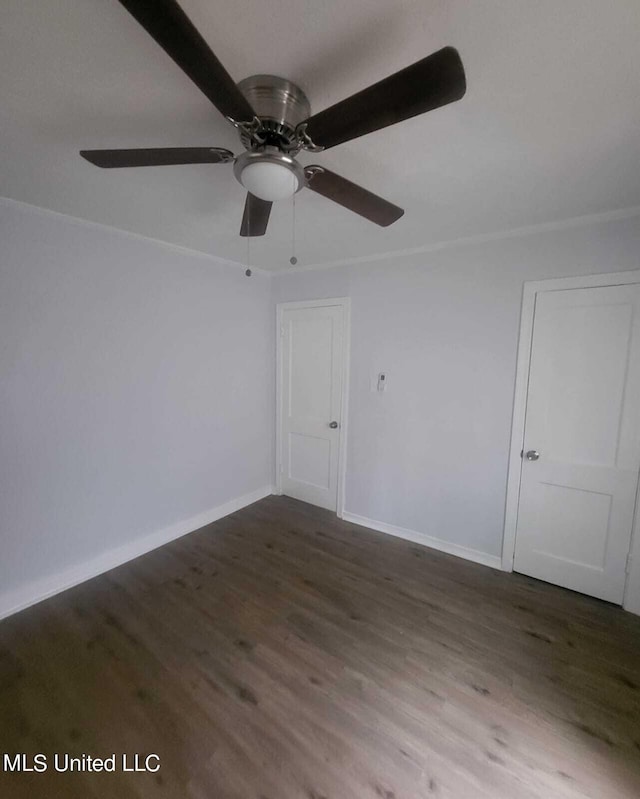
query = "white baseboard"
x=459 y=551
x=20 y=598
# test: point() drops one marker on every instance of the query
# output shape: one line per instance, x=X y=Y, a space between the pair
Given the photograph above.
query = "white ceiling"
x=548 y=130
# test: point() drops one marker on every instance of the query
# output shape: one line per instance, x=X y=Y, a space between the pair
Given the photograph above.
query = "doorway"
x=312 y=386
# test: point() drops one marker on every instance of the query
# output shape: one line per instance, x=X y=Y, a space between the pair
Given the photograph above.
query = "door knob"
x=333 y=425
x=532 y=455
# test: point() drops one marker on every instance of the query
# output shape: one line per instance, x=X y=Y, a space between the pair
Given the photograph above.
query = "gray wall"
x=134 y=392
x=431 y=453
x=137 y=383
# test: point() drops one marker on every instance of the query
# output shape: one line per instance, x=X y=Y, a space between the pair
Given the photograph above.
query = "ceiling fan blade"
x=434 y=81
x=255 y=217
x=157 y=156
x=352 y=196
x=167 y=23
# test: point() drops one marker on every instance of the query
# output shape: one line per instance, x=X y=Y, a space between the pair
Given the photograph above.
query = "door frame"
x=281 y=307
x=531 y=288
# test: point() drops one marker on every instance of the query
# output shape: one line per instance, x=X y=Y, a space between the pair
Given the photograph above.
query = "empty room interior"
x=319 y=399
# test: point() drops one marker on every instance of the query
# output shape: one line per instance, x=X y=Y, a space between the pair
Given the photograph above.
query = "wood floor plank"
x=281 y=653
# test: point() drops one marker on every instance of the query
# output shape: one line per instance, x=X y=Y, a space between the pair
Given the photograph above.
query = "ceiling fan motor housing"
x=280 y=106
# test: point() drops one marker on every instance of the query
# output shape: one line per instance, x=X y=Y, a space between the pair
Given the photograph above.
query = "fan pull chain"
x=248 y=270
x=293 y=260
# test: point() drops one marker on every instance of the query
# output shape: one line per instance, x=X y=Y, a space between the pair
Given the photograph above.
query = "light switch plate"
x=379 y=382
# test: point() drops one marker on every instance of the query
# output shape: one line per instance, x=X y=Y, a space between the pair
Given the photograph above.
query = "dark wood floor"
x=282 y=654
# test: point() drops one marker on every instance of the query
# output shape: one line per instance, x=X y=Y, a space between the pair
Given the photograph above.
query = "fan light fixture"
x=269 y=174
x=269 y=181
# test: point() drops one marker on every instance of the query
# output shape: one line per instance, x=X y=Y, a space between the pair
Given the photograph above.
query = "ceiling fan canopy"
x=273 y=118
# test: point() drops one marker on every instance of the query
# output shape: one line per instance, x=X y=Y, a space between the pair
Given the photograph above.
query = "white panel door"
x=577 y=498
x=312 y=355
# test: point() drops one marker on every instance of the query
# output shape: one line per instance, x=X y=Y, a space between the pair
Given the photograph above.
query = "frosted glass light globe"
x=269 y=181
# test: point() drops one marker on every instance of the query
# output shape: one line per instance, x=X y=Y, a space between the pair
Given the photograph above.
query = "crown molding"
x=446 y=244
x=467 y=241
x=77 y=220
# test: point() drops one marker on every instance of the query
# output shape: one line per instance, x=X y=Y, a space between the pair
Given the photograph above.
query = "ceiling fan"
x=274 y=120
